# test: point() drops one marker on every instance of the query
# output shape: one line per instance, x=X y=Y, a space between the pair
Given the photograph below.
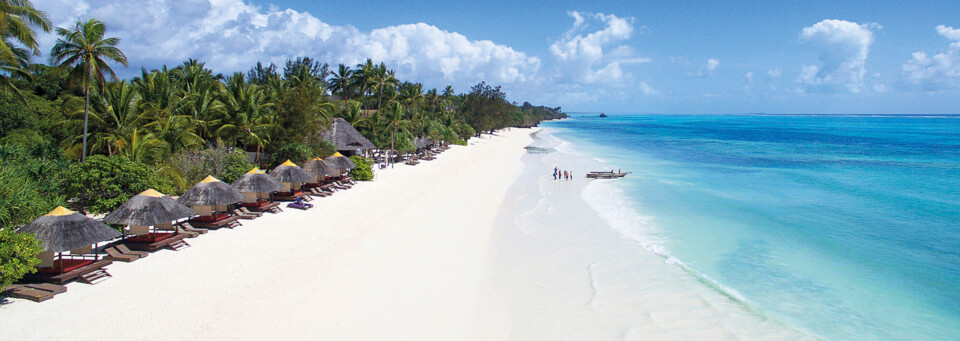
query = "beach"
x=480 y=244
x=403 y=257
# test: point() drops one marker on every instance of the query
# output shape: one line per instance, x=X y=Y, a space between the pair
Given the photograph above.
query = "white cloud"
x=232 y=35
x=594 y=57
x=706 y=70
x=843 y=55
x=939 y=72
x=749 y=77
x=774 y=73
x=648 y=90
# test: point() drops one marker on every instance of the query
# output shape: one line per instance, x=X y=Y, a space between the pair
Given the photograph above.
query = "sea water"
x=845 y=227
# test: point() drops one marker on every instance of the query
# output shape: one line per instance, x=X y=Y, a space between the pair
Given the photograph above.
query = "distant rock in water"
x=603 y=115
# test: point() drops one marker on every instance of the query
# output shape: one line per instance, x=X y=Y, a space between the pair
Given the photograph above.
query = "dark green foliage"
x=14 y=114
x=29 y=183
x=168 y=180
x=104 y=183
x=223 y=163
x=363 y=171
x=23 y=138
x=321 y=148
x=295 y=152
x=18 y=253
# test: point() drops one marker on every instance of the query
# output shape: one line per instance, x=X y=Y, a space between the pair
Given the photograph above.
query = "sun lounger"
x=125 y=250
x=249 y=212
x=343 y=183
x=116 y=255
x=28 y=293
x=185 y=226
x=328 y=187
x=242 y=215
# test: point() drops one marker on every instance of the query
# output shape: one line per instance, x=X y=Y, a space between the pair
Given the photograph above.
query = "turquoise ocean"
x=846 y=227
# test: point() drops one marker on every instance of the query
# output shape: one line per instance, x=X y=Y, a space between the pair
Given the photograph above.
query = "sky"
x=778 y=57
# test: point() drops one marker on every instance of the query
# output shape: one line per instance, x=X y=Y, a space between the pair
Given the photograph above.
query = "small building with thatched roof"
x=319 y=169
x=291 y=177
x=150 y=216
x=345 y=138
x=63 y=230
x=340 y=162
x=209 y=196
x=254 y=185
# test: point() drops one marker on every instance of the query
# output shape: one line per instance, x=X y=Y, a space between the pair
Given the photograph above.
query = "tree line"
x=70 y=128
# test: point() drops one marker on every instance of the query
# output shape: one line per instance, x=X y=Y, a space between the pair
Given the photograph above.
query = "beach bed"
x=37 y=292
x=87 y=270
x=156 y=240
x=215 y=221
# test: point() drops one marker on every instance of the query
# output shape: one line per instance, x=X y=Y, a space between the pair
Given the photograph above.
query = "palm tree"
x=16 y=19
x=383 y=78
x=86 y=51
x=341 y=81
x=396 y=120
x=363 y=77
x=16 y=68
x=244 y=113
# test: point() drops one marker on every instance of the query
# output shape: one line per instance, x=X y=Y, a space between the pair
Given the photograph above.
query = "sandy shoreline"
x=403 y=257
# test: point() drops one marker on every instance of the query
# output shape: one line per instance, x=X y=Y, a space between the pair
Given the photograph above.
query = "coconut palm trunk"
x=86 y=110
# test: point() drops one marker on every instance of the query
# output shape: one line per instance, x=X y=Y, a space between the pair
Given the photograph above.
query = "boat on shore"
x=606 y=175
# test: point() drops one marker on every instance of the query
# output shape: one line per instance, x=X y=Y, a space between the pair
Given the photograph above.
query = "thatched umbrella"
x=210 y=192
x=149 y=208
x=63 y=230
x=340 y=162
x=290 y=172
x=320 y=168
x=256 y=181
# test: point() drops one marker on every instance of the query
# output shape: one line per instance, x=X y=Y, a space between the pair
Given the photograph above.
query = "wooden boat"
x=606 y=175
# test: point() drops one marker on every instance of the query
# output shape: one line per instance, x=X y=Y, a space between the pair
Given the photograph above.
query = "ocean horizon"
x=840 y=226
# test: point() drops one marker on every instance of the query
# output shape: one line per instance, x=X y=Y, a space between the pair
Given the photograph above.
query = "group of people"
x=562 y=174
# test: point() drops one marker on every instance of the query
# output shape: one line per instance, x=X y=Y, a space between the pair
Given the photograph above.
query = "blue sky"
x=849 y=57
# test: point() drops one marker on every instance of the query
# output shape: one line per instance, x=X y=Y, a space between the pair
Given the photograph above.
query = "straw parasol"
x=210 y=192
x=256 y=181
x=339 y=161
x=319 y=167
x=64 y=230
x=149 y=208
x=345 y=137
x=290 y=172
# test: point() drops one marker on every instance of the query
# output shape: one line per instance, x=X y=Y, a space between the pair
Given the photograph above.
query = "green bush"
x=24 y=138
x=168 y=180
x=295 y=152
x=223 y=163
x=30 y=184
x=363 y=170
x=18 y=256
x=104 y=183
x=322 y=148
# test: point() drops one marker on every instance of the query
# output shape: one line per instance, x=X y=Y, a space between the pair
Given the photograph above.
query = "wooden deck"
x=212 y=225
x=37 y=292
x=70 y=275
x=152 y=246
x=262 y=208
x=287 y=196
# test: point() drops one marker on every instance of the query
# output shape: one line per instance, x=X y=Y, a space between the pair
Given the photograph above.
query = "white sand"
x=403 y=257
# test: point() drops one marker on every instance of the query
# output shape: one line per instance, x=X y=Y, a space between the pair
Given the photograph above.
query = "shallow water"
x=568 y=272
x=845 y=227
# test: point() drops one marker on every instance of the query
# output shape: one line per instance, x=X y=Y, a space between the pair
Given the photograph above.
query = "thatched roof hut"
x=423 y=142
x=256 y=181
x=344 y=137
x=149 y=208
x=210 y=192
x=340 y=162
x=319 y=167
x=290 y=172
x=64 y=230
